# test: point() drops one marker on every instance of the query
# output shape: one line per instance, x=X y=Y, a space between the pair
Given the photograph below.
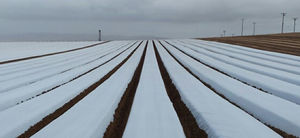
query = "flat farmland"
x=288 y=43
x=152 y=88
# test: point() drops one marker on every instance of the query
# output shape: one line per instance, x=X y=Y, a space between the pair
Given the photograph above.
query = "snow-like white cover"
x=18 y=119
x=152 y=114
x=275 y=73
x=12 y=70
x=22 y=78
x=267 y=55
x=274 y=86
x=16 y=50
x=12 y=97
x=267 y=108
x=215 y=115
x=90 y=117
x=255 y=60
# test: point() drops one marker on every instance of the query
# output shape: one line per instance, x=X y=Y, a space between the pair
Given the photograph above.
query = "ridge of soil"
x=116 y=128
x=58 y=112
x=187 y=120
x=278 y=131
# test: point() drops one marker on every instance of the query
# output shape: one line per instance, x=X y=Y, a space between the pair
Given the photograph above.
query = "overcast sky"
x=140 y=19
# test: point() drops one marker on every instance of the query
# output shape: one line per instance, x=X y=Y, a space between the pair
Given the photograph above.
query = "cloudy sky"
x=140 y=19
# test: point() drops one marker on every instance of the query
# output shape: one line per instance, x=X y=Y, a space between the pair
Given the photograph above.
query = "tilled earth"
x=288 y=43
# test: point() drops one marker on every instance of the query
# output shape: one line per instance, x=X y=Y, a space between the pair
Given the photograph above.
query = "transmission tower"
x=295 y=19
x=254 y=23
x=242 y=33
x=99 y=35
x=283 y=14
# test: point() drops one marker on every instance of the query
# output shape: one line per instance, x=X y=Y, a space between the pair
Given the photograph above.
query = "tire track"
x=116 y=128
x=49 y=118
x=57 y=86
x=280 y=132
x=50 y=54
x=187 y=120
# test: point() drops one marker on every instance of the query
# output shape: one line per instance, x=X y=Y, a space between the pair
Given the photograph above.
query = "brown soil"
x=50 y=54
x=280 y=132
x=288 y=43
x=49 y=118
x=117 y=126
x=187 y=120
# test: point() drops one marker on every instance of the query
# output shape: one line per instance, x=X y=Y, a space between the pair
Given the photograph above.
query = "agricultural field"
x=149 y=89
x=288 y=43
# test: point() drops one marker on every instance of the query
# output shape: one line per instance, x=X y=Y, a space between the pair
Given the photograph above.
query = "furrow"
x=188 y=122
x=254 y=109
x=116 y=128
x=49 y=118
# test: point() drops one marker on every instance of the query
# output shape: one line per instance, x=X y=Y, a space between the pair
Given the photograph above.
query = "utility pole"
x=283 y=14
x=295 y=23
x=224 y=32
x=254 y=23
x=99 y=35
x=242 y=33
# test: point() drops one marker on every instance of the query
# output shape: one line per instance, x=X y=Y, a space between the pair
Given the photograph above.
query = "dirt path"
x=50 y=54
x=117 y=126
x=48 y=119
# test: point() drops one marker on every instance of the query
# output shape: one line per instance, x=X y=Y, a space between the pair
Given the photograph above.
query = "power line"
x=224 y=32
x=283 y=14
x=295 y=23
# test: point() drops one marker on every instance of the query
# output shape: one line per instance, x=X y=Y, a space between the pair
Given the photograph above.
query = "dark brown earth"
x=187 y=120
x=50 y=54
x=288 y=43
x=49 y=118
x=117 y=126
x=280 y=132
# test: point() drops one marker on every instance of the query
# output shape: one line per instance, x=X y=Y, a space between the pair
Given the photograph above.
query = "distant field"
x=288 y=43
x=150 y=89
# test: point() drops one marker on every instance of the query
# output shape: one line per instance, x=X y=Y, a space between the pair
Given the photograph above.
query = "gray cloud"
x=133 y=18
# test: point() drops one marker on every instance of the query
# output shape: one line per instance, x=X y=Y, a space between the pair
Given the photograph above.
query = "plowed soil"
x=288 y=43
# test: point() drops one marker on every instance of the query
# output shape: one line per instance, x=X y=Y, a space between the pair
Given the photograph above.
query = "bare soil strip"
x=288 y=43
x=116 y=128
x=280 y=132
x=57 y=86
x=187 y=120
x=50 y=54
x=48 y=119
